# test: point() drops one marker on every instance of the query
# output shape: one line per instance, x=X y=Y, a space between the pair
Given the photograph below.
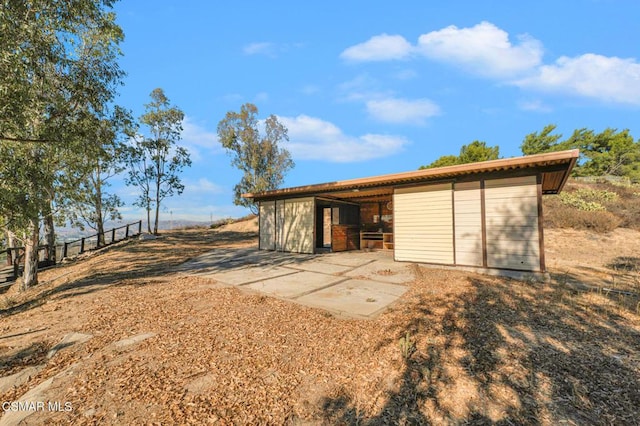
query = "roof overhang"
x=554 y=167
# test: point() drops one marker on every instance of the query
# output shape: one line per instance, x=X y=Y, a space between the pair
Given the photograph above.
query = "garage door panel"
x=297 y=225
x=511 y=209
x=423 y=224
x=267 y=225
x=468 y=223
x=528 y=263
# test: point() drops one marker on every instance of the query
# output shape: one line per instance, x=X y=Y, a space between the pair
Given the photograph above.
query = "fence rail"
x=13 y=257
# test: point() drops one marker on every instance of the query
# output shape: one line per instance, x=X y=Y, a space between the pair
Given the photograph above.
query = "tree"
x=444 y=161
x=474 y=152
x=156 y=161
x=610 y=152
x=258 y=155
x=538 y=143
x=91 y=205
x=57 y=67
x=478 y=151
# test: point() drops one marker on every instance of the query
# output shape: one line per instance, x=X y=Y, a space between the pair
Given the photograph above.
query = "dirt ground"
x=458 y=348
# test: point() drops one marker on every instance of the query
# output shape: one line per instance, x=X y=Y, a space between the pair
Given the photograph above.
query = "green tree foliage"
x=610 y=152
x=155 y=162
x=538 y=143
x=474 y=152
x=58 y=69
x=258 y=155
x=91 y=205
x=478 y=151
x=445 y=160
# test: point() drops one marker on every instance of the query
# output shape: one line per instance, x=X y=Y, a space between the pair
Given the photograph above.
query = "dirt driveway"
x=351 y=284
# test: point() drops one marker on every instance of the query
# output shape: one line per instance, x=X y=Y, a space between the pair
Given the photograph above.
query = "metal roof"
x=554 y=167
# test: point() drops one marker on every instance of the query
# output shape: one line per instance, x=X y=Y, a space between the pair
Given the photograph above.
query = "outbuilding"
x=485 y=215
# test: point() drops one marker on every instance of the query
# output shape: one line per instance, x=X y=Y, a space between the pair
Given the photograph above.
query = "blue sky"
x=374 y=87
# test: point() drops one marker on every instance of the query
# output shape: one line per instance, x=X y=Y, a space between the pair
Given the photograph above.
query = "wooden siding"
x=511 y=209
x=268 y=225
x=423 y=224
x=279 y=224
x=297 y=225
x=468 y=223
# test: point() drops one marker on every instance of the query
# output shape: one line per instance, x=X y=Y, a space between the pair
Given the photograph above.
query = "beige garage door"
x=296 y=230
x=423 y=224
x=468 y=223
x=511 y=209
x=268 y=225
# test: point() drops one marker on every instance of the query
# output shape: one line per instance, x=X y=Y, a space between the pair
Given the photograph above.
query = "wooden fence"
x=79 y=246
x=14 y=256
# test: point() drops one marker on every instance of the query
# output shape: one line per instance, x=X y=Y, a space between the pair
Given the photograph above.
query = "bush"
x=560 y=215
x=588 y=199
x=221 y=222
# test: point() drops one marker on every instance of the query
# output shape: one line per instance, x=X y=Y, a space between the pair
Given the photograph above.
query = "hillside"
x=595 y=206
x=155 y=346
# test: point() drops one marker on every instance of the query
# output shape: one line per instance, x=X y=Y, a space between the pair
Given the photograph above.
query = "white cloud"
x=608 y=79
x=535 y=105
x=407 y=74
x=382 y=47
x=487 y=50
x=197 y=139
x=359 y=88
x=260 y=48
x=312 y=138
x=202 y=186
x=269 y=49
x=392 y=110
x=483 y=49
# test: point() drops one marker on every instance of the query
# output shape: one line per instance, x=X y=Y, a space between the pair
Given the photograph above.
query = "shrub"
x=599 y=205
x=221 y=222
x=588 y=199
x=560 y=215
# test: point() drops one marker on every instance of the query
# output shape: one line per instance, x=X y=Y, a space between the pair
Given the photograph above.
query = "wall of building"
x=512 y=232
x=377 y=215
x=287 y=225
x=423 y=228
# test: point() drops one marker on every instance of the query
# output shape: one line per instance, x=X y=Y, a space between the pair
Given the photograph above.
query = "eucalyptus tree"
x=91 y=205
x=58 y=70
x=258 y=155
x=156 y=160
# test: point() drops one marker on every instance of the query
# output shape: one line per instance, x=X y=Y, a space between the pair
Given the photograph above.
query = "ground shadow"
x=34 y=354
x=523 y=353
x=140 y=264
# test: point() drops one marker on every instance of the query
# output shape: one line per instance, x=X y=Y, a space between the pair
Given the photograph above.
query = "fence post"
x=126 y=234
x=139 y=227
x=113 y=235
x=9 y=258
x=81 y=245
x=64 y=250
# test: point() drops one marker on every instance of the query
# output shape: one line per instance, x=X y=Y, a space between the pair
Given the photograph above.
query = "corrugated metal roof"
x=553 y=178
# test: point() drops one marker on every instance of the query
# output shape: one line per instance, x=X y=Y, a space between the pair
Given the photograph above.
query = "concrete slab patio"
x=354 y=284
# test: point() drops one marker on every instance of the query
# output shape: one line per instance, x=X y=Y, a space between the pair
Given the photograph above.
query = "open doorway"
x=326 y=227
x=337 y=226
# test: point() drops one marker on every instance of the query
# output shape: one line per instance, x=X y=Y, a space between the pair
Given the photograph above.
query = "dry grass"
x=458 y=349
